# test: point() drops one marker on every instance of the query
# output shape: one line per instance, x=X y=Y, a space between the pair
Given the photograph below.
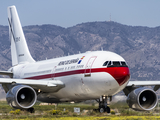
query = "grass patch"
x=66 y=111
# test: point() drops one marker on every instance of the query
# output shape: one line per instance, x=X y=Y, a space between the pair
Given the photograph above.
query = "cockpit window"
x=110 y=64
x=124 y=64
x=115 y=64
x=105 y=64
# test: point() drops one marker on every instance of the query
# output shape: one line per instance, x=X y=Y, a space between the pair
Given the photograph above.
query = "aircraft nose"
x=122 y=75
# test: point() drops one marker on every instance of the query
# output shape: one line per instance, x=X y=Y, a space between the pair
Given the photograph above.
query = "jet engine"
x=142 y=99
x=21 y=97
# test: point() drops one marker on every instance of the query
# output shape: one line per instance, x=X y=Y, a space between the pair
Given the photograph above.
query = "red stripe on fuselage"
x=121 y=74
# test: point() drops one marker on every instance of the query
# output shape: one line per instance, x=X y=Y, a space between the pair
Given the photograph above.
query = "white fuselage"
x=83 y=75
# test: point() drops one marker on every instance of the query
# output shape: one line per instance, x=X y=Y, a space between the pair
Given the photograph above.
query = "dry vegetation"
x=66 y=111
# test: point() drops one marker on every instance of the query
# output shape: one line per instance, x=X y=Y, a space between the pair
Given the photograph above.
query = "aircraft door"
x=89 y=66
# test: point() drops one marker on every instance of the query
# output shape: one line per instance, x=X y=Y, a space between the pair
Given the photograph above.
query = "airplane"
x=93 y=75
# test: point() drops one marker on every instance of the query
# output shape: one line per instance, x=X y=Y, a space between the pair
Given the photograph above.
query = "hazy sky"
x=67 y=13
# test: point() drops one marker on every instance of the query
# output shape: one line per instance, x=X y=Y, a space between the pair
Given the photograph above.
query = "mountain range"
x=138 y=45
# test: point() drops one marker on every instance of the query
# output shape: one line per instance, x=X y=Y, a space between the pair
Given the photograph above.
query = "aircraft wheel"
x=31 y=110
x=108 y=110
x=103 y=104
x=101 y=110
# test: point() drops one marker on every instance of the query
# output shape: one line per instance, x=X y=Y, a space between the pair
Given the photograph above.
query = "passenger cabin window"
x=115 y=64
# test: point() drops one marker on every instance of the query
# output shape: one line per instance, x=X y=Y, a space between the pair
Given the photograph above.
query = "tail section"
x=19 y=49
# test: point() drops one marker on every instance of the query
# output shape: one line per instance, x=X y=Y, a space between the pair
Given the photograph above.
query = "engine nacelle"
x=142 y=99
x=21 y=97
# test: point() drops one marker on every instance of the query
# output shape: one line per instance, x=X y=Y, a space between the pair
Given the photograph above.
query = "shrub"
x=54 y=112
x=112 y=112
x=65 y=112
x=16 y=112
x=74 y=115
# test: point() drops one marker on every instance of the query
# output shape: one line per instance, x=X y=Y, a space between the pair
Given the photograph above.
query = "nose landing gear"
x=103 y=104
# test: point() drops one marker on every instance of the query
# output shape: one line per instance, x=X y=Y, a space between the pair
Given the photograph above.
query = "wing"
x=133 y=85
x=143 y=83
x=42 y=85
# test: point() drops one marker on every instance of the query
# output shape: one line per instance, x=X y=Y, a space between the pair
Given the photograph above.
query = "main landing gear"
x=103 y=104
x=31 y=110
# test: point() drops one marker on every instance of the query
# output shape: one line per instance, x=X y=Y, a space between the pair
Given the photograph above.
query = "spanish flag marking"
x=80 y=60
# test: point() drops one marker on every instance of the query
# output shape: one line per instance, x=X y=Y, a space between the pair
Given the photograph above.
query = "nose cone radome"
x=122 y=75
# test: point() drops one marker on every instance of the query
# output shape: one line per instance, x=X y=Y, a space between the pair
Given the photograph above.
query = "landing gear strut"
x=103 y=104
x=31 y=110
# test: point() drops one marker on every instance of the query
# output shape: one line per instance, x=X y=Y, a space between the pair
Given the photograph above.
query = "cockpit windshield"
x=115 y=64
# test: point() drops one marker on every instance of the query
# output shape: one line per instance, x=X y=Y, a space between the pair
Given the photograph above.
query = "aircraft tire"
x=101 y=110
x=31 y=110
x=108 y=110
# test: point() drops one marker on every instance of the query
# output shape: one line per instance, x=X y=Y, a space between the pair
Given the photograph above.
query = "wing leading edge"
x=42 y=85
x=132 y=84
x=143 y=83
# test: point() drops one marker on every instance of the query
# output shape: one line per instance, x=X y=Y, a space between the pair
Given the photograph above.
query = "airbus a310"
x=96 y=75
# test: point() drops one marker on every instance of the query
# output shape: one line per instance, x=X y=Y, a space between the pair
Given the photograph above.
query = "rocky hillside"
x=140 y=46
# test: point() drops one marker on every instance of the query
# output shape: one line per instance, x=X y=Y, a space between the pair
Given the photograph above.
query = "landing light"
x=39 y=90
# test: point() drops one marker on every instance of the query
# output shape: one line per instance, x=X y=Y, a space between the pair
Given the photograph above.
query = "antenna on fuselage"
x=102 y=48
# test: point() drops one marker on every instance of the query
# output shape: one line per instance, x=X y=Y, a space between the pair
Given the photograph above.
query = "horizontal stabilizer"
x=10 y=74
